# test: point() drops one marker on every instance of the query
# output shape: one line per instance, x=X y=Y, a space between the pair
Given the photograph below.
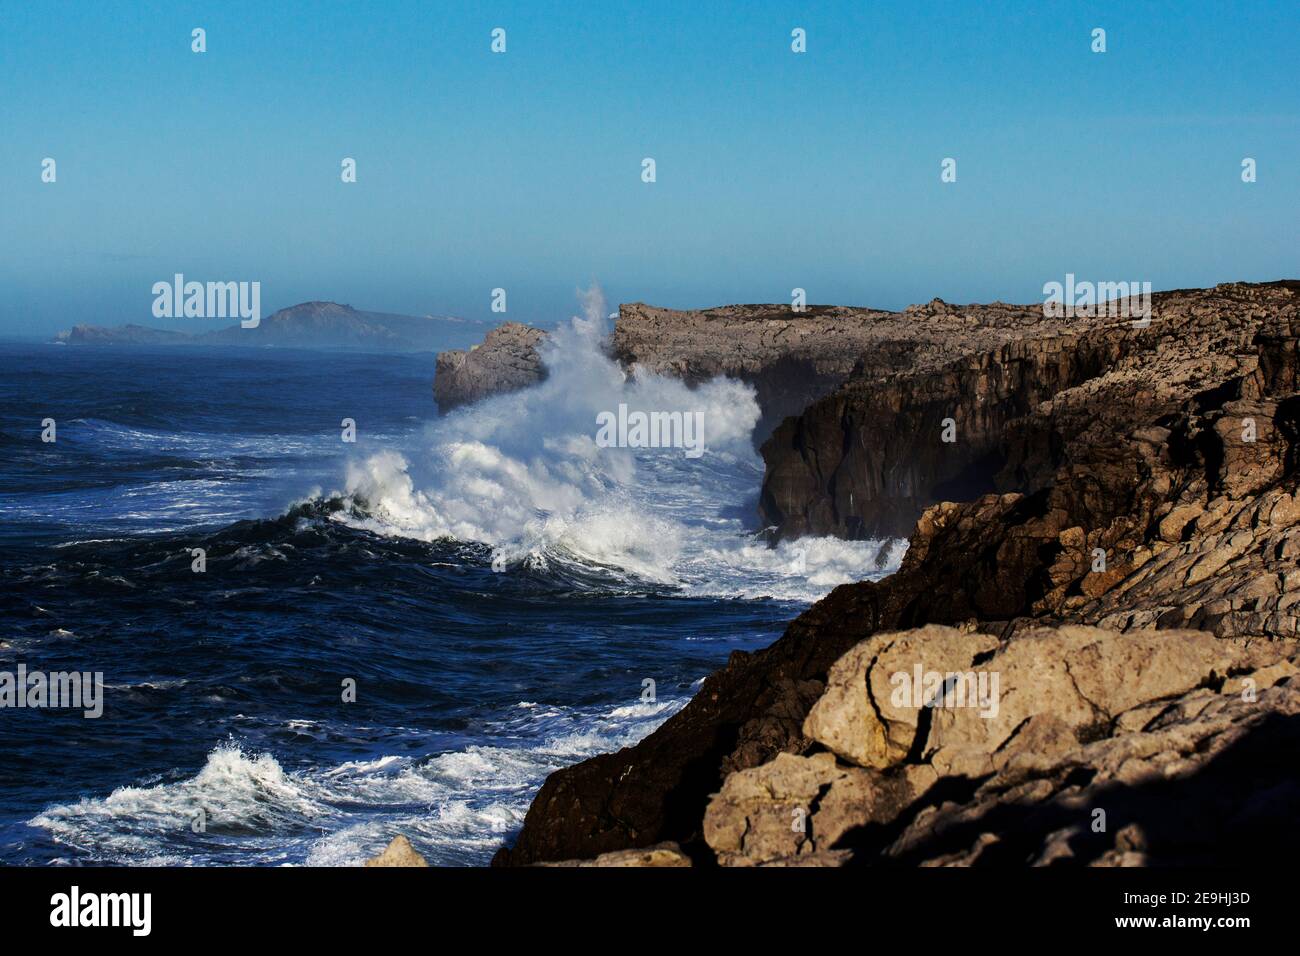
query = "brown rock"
x=1129 y=728
x=856 y=716
x=507 y=361
x=869 y=458
x=399 y=852
x=791 y=358
x=1133 y=433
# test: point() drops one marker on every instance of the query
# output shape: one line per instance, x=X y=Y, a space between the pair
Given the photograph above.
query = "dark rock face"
x=868 y=459
x=507 y=361
x=791 y=358
x=1173 y=453
x=795 y=358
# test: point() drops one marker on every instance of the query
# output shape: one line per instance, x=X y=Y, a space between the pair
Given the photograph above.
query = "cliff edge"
x=1143 y=520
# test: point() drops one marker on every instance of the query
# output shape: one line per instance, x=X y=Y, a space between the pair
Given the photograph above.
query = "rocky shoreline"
x=1114 y=532
x=792 y=359
x=867 y=459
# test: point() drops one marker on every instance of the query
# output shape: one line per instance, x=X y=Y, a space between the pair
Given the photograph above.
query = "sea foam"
x=457 y=807
x=522 y=472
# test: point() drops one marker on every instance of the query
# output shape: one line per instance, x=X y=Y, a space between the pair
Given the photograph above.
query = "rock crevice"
x=1144 y=529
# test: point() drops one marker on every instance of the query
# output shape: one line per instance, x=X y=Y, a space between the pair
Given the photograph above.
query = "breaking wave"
x=524 y=474
x=456 y=807
x=226 y=741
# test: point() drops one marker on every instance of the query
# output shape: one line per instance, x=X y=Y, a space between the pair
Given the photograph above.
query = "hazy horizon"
x=209 y=325
x=522 y=170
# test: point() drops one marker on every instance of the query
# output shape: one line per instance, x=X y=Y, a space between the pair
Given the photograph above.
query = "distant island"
x=308 y=325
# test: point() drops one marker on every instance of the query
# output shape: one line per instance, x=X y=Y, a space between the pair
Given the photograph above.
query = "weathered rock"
x=1206 y=782
x=399 y=852
x=867 y=459
x=507 y=361
x=768 y=808
x=1035 y=695
x=791 y=358
x=1128 y=505
x=1087 y=720
x=795 y=809
x=855 y=717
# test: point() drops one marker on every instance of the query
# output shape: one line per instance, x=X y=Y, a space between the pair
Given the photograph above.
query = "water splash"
x=523 y=473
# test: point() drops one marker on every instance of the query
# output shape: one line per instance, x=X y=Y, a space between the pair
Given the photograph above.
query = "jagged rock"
x=1207 y=782
x=791 y=358
x=1028 y=697
x=507 y=361
x=1087 y=720
x=399 y=852
x=855 y=718
x=1086 y=530
x=867 y=459
x=769 y=806
x=794 y=809
x=795 y=358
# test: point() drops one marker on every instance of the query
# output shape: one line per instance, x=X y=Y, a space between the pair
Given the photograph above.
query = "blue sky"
x=522 y=170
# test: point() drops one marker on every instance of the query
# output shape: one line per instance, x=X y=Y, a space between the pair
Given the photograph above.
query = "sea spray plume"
x=522 y=472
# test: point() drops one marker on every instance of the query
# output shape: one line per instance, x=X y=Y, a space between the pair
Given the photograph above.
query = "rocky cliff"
x=791 y=358
x=1145 y=482
x=1105 y=748
x=507 y=360
x=866 y=460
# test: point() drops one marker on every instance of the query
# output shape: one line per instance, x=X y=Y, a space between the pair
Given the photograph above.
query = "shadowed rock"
x=1093 y=725
x=1158 y=492
x=507 y=361
x=869 y=458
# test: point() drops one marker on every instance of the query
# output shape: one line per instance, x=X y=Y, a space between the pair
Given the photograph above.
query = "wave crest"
x=523 y=474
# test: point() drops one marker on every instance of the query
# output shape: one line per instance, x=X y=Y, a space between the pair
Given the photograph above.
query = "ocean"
x=308 y=644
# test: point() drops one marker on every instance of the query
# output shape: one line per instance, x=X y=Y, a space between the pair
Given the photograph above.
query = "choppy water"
x=498 y=588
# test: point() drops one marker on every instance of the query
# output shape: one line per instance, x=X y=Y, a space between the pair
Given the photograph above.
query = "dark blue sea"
x=498 y=590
